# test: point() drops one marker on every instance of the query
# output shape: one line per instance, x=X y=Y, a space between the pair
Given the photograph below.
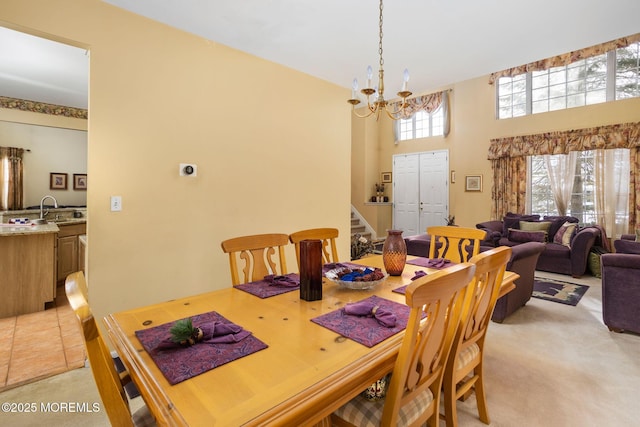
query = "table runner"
x=182 y=363
x=365 y=330
x=264 y=289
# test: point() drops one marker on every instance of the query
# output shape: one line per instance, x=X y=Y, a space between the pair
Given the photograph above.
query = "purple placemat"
x=182 y=363
x=431 y=263
x=401 y=290
x=264 y=289
x=365 y=330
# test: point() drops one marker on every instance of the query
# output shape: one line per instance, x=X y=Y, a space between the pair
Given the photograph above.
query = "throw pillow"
x=522 y=236
x=564 y=233
x=536 y=226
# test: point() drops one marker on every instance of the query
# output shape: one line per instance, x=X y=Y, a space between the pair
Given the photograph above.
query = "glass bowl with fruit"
x=356 y=277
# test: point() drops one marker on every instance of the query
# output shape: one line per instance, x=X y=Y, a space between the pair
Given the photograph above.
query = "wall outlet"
x=188 y=169
x=116 y=203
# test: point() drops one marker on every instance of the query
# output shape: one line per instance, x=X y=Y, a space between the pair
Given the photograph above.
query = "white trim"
x=364 y=222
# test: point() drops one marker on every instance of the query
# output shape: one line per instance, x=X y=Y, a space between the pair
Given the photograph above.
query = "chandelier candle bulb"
x=405 y=80
x=354 y=89
x=369 y=76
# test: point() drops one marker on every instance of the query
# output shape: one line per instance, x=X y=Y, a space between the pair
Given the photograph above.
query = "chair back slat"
x=457 y=244
x=256 y=256
x=328 y=238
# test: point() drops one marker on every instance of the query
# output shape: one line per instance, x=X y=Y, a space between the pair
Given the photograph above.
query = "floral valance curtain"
x=11 y=178
x=428 y=103
x=625 y=135
x=567 y=58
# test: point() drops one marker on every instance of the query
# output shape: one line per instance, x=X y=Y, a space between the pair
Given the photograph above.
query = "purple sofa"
x=571 y=259
x=621 y=287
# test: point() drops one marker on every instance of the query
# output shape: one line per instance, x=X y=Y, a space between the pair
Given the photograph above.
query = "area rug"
x=558 y=291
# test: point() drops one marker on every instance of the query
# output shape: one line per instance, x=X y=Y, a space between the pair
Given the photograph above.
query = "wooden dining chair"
x=457 y=244
x=328 y=237
x=257 y=252
x=413 y=396
x=464 y=371
x=108 y=381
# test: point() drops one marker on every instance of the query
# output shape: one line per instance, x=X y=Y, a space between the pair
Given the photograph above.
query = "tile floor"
x=38 y=345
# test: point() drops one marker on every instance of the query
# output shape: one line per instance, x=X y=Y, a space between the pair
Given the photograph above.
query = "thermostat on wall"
x=188 y=169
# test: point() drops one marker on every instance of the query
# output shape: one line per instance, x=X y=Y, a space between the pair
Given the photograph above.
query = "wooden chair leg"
x=449 y=396
x=481 y=398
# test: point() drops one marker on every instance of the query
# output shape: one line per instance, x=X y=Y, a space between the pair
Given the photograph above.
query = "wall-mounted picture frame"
x=57 y=181
x=385 y=177
x=473 y=183
x=80 y=181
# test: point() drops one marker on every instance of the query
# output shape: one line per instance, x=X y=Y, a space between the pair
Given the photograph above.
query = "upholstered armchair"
x=523 y=262
x=621 y=287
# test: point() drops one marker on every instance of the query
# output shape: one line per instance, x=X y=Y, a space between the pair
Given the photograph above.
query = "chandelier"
x=379 y=104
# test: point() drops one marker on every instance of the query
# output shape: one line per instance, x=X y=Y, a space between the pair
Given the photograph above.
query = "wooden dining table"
x=306 y=372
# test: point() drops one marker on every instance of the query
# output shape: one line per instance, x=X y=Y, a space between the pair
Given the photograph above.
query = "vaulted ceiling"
x=440 y=42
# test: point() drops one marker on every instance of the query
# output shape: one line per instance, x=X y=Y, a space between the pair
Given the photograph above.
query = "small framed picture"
x=473 y=183
x=79 y=181
x=57 y=181
x=385 y=177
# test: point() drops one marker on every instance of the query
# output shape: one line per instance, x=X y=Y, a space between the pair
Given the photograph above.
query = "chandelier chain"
x=380 y=43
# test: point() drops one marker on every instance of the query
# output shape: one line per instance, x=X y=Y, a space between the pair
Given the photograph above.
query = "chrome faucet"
x=55 y=205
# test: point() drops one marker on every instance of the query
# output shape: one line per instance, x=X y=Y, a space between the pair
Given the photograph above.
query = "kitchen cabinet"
x=68 y=249
x=28 y=268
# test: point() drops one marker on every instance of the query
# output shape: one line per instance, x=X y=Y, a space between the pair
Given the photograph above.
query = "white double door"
x=420 y=191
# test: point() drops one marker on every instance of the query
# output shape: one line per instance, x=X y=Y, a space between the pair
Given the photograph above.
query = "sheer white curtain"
x=561 y=169
x=611 y=170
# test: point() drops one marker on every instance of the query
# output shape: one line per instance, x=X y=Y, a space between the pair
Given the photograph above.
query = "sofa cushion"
x=523 y=236
x=565 y=233
x=512 y=220
x=504 y=241
x=555 y=250
x=556 y=222
x=536 y=226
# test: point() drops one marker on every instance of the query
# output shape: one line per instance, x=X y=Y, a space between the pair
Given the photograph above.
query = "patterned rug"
x=558 y=291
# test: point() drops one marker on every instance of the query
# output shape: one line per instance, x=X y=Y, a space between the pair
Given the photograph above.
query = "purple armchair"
x=621 y=287
x=523 y=262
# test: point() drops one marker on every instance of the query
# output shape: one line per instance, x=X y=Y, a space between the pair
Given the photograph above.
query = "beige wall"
x=473 y=124
x=53 y=149
x=272 y=147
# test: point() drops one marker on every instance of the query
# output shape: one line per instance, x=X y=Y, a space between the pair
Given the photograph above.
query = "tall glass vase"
x=394 y=253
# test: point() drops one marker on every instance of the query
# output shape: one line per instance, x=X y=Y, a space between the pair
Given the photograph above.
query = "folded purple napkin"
x=212 y=333
x=419 y=274
x=367 y=308
x=437 y=262
x=275 y=280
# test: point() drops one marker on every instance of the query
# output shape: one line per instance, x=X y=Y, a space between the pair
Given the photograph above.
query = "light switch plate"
x=116 y=203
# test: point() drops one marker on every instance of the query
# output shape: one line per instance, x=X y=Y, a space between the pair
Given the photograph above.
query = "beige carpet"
x=548 y=364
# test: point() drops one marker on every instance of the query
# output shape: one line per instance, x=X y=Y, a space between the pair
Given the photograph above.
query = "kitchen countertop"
x=27 y=229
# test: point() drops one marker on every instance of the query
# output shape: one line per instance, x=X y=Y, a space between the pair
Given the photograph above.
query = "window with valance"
x=508 y=157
